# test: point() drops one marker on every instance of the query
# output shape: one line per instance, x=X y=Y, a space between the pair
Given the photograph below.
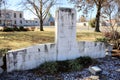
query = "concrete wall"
x=65 y=46
x=1 y=63
x=92 y=49
x=66 y=33
x=32 y=57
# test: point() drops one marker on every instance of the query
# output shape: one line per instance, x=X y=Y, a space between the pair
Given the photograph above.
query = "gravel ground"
x=110 y=71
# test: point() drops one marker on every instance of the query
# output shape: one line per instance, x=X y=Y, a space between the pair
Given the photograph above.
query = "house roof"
x=50 y=18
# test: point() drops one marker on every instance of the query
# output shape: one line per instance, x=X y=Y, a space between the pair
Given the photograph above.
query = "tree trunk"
x=97 y=20
x=41 y=16
x=41 y=24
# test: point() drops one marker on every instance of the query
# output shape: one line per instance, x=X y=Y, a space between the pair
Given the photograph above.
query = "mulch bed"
x=116 y=53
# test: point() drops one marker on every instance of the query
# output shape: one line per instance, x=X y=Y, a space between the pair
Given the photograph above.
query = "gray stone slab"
x=95 y=70
x=118 y=70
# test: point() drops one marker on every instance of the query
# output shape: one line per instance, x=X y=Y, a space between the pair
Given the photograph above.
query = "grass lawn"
x=16 y=40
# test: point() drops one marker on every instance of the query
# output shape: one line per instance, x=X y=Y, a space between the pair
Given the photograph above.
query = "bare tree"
x=111 y=12
x=40 y=8
x=2 y=2
x=90 y=4
x=83 y=18
x=0 y=7
x=117 y=2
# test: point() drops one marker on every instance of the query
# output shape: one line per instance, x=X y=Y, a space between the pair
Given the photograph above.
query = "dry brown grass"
x=88 y=36
x=16 y=40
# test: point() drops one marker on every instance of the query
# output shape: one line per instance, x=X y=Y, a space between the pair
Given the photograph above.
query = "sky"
x=13 y=4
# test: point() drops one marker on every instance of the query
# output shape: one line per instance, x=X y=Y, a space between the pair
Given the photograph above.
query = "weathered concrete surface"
x=109 y=48
x=92 y=49
x=31 y=57
x=1 y=61
x=1 y=70
x=66 y=34
x=1 y=64
x=65 y=46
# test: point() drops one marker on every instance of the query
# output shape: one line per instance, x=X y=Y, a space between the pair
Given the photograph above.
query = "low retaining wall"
x=92 y=49
x=1 y=62
x=32 y=57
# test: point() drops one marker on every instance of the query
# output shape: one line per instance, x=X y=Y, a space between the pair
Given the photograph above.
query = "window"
x=14 y=15
x=36 y=22
x=15 y=22
x=7 y=15
x=20 y=21
x=26 y=21
x=20 y=15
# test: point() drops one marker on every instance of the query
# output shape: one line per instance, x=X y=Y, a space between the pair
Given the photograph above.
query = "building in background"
x=16 y=18
x=32 y=22
x=10 y=18
x=49 y=20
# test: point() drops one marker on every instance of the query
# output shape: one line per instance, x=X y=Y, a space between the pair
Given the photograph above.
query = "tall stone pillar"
x=66 y=33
